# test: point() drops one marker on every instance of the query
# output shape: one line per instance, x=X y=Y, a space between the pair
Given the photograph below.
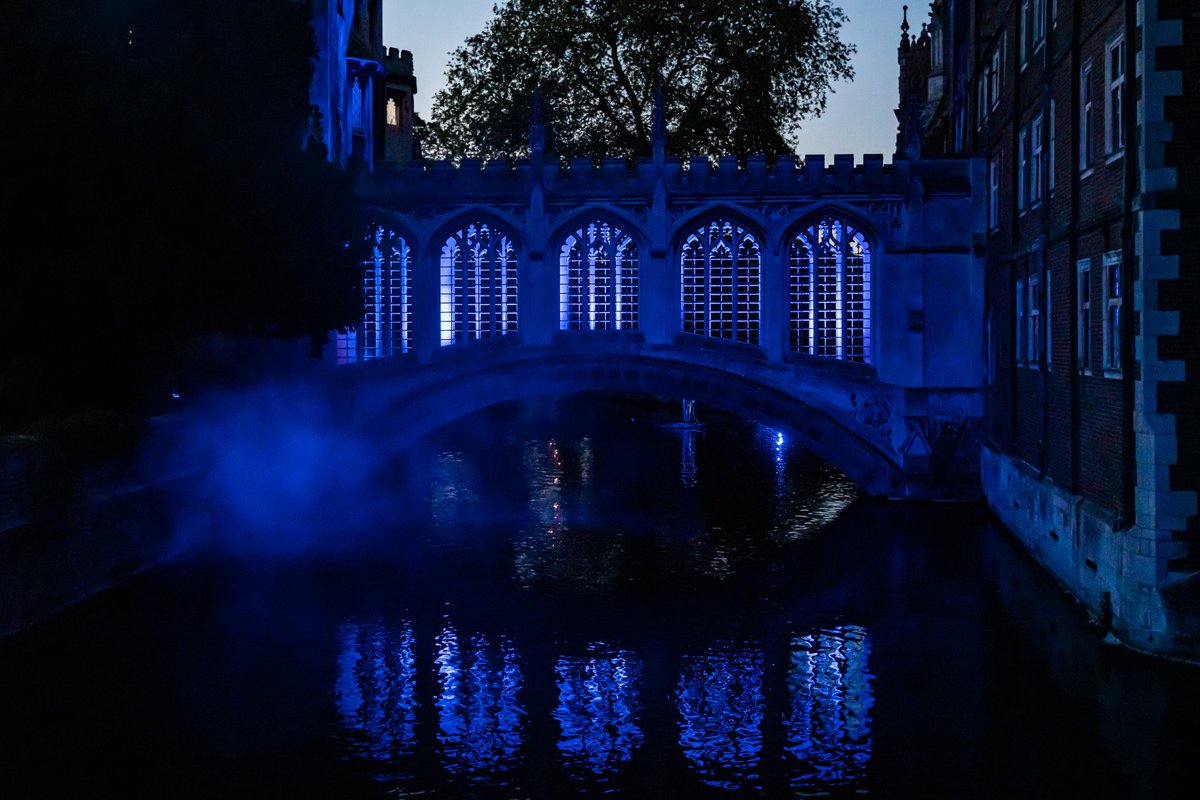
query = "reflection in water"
x=598 y=711
x=812 y=499
x=561 y=544
x=687 y=467
x=721 y=705
x=829 y=724
x=479 y=716
x=453 y=496
x=376 y=689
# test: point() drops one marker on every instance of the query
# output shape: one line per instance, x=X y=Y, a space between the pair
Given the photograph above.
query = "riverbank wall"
x=1122 y=574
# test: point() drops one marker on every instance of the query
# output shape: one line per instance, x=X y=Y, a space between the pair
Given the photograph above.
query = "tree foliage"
x=737 y=77
x=159 y=191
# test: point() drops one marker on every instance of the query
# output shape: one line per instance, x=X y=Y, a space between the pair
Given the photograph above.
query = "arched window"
x=386 y=326
x=479 y=284
x=720 y=269
x=830 y=266
x=598 y=279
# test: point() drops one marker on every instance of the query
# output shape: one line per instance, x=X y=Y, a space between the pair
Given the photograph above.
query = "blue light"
x=597 y=711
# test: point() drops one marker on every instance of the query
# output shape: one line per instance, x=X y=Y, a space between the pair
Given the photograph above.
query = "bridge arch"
x=402 y=405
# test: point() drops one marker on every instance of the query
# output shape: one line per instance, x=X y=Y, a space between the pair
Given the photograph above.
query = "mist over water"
x=565 y=597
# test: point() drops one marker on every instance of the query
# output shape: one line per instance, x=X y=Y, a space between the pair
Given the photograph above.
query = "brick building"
x=1086 y=114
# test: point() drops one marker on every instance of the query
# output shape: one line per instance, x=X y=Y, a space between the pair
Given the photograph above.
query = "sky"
x=858 y=119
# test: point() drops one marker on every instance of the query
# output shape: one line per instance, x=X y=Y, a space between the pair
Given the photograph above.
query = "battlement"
x=723 y=176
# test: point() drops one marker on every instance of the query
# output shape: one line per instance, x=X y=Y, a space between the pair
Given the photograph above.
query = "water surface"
x=566 y=598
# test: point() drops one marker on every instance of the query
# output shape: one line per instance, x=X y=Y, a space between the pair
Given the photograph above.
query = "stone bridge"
x=843 y=302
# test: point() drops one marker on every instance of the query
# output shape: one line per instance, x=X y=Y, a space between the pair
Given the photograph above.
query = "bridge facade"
x=843 y=301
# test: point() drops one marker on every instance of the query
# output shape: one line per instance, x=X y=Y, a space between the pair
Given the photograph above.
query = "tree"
x=159 y=191
x=737 y=77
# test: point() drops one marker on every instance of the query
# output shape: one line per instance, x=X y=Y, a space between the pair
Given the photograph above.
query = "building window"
x=1113 y=289
x=1083 y=313
x=994 y=192
x=1033 y=339
x=1022 y=333
x=1053 y=147
x=393 y=113
x=598 y=279
x=981 y=104
x=1033 y=28
x=356 y=105
x=1022 y=167
x=386 y=325
x=1114 y=100
x=478 y=284
x=1087 y=119
x=720 y=269
x=996 y=73
x=1048 y=322
x=1039 y=24
x=1035 y=161
x=830 y=268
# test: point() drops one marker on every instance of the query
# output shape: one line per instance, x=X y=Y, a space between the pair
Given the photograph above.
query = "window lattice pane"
x=800 y=268
x=387 y=303
x=720 y=283
x=830 y=289
x=598 y=279
x=478 y=285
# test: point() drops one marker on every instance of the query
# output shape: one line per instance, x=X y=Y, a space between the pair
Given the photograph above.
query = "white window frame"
x=1053 y=147
x=1083 y=315
x=1022 y=167
x=1035 y=161
x=996 y=73
x=1033 y=318
x=1114 y=97
x=1087 y=120
x=1022 y=333
x=1047 y=326
x=994 y=170
x=1026 y=29
x=1113 y=302
x=1039 y=24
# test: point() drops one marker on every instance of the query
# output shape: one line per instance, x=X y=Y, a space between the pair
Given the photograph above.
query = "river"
x=571 y=597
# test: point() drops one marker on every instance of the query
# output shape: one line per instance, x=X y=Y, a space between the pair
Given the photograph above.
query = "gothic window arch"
x=720 y=280
x=478 y=284
x=598 y=279
x=830 y=289
x=386 y=325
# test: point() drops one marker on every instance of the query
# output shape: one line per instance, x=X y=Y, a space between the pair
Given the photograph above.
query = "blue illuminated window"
x=830 y=277
x=598 y=279
x=720 y=275
x=386 y=325
x=478 y=284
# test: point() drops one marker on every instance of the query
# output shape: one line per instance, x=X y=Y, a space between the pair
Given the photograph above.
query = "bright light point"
x=175 y=395
x=779 y=441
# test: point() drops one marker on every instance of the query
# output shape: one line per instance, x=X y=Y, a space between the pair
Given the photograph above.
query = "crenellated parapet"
x=424 y=182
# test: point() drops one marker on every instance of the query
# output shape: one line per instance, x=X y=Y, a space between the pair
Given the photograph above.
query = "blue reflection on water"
x=479 y=715
x=376 y=689
x=721 y=705
x=829 y=721
x=598 y=708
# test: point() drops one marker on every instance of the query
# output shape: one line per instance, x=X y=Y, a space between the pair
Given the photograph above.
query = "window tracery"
x=830 y=291
x=720 y=276
x=598 y=279
x=478 y=284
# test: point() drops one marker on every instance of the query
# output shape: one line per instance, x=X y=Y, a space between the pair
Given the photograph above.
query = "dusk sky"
x=858 y=119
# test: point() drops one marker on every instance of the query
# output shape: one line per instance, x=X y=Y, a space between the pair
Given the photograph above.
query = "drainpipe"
x=1129 y=369
x=1044 y=184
